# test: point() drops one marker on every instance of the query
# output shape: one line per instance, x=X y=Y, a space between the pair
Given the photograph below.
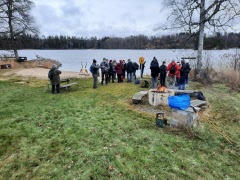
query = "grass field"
x=99 y=134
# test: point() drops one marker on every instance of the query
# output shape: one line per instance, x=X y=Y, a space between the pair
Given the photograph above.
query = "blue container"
x=179 y=102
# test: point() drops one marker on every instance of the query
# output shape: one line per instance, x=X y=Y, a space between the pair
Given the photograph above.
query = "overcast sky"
x=98 y=18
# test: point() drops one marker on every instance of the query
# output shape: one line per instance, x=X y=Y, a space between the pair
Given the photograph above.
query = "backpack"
x=188 y=68
x=144 y=84
x=91 y=69
x=50 y=74
x=173 y=69
x=135 y=65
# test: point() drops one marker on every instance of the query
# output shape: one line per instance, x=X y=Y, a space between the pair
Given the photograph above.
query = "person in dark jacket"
x=104 y=69
x=55 y=81
x=163 y=73
x=95 y=73
x=124 y=69
x=142 y=66
x=110 y=72
x=188 y=69
x=129 y=70
x=135 y=68
x=154 y=66
x=183 y=75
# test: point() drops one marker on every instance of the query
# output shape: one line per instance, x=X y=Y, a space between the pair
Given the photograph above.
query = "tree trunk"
x=201 y=37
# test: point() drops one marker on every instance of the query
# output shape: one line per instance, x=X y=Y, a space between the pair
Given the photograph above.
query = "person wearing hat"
x=154 y=66
x=55 y=79
x=163 y=73
x=95 y=72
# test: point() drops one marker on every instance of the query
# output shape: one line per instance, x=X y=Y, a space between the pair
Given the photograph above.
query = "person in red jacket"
x=177 y=73
x=119 y=68
x=172 y=70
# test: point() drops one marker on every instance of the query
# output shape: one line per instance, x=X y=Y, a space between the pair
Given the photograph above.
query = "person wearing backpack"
x=54 y=78
x=163 y=73
x=154 y=66
x=171 y=79
x=135 y=68
x=95 y=73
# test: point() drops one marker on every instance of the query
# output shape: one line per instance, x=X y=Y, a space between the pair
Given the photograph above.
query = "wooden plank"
x=139 y=95
x=69 y=85
x=197 y=102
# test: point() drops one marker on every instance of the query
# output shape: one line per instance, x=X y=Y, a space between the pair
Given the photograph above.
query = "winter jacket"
x=56 y=78
x=119 y=68
x=169 y=67
x=95 y=68
x=163 y=69
x=104 y=66
x=154 y=68
x=178 y=67
x=183 y=70
x=129 y=67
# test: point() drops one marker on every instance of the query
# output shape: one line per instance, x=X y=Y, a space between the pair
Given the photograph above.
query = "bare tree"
x=194 y=16
x=15 y=20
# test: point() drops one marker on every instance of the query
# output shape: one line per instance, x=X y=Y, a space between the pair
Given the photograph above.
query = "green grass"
x=99 y=134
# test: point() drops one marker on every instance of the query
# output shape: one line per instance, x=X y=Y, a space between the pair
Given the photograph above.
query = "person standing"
x=110 y=72
x=55 y=79
x=129 y=70
x=178 y=67
x=114 y=71
x=142 y=66
x=119 y=68
x=183 y=74
x=104 y=70
x=163 y=73
x=171 y=79
x=135 y=68
x=188 y=69
x=95 y=73
x=154 y=66
x=124 y=69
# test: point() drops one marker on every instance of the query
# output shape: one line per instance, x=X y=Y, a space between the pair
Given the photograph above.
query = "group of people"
x=176 y=73
x=111 y=70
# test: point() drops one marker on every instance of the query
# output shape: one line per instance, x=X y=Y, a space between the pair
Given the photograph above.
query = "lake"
x=74 y=60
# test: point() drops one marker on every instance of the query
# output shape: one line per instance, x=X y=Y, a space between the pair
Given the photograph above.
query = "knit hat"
x=94 y=61
x=54 y=66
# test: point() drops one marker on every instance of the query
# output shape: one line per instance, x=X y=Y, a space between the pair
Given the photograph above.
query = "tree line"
x=181 y=40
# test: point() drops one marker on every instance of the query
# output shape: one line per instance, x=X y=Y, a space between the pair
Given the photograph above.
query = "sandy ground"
x=42 y=73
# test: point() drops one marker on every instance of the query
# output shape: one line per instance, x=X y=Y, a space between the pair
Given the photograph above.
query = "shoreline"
x=42 y=73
